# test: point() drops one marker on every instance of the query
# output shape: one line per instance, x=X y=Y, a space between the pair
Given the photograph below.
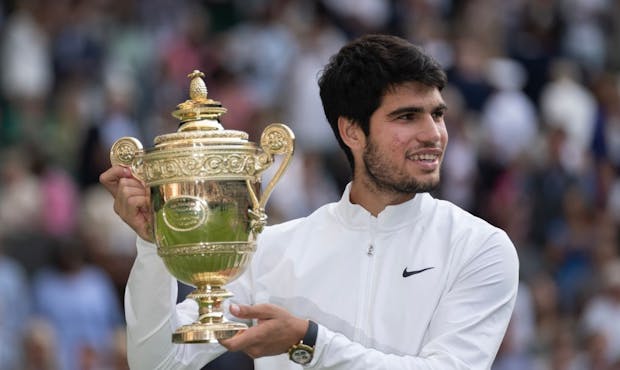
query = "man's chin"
x=426 y=184
x=428 y=187
x=418 y=186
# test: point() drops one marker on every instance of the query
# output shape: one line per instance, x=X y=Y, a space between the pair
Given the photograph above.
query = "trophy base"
x=207 y=333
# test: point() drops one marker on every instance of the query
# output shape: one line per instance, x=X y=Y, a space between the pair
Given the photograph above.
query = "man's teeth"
x=424 y=157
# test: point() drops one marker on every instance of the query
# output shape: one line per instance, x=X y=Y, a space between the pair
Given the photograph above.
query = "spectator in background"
x=569 y=249
x=109 y=241
x=358 y=17
x=187 y=48
x=317 y=41
x=509 y=118
x=461 y=164
x=80 y=303
x=20 y=191
x=319 y=170
x=14 y=312
x=59 y=201
x=467 y=73
x=117 y=121
x=600 y=318
x=566 y=104
x=606 y=138
x=40 y=346
x=614 y=200
x=515 y=351
x=551 y=179
x=583 y=38
x=262 y=69
x=232 y=92
x=27 y=75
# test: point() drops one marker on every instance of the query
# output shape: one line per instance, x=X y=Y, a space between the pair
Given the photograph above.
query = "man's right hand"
x=131 y=200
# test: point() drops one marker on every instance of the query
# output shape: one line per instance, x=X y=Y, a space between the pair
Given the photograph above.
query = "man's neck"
x=375 y=200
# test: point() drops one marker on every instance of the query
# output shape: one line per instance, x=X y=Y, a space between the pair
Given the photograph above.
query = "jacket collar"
x=392 y=217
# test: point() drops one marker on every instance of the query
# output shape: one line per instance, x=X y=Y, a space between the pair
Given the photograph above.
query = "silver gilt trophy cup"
x=205 y=185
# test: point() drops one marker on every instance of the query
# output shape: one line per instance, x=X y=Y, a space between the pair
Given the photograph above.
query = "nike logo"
x=409 y=273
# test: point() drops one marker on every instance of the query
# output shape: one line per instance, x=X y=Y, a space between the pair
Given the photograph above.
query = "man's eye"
x=438 y=115
x=407 y=117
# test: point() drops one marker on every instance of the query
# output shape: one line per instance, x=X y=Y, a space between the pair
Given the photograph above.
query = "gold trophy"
x=206 y=201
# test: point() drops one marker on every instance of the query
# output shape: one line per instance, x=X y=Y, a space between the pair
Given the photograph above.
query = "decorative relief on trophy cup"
x=124 y=151
x=276 y=140
x=196 y=166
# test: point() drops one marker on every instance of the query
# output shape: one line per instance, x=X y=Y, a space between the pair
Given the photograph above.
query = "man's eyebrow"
x=414 y=109
x=441 y=106
x=405 y=110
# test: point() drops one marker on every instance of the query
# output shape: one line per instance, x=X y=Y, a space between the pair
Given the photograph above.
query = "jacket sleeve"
x=468 y=327
x=152 y=316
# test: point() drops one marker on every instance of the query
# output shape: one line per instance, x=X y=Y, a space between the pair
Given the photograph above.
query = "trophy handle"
x=127 y=151
x=276 y=139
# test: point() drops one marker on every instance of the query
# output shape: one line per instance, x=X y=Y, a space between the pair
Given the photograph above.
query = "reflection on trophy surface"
x=206 y=201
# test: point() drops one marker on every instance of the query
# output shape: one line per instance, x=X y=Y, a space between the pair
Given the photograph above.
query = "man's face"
x=407 y=139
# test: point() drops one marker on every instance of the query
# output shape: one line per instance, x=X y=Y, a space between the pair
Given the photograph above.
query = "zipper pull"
x=371 y=250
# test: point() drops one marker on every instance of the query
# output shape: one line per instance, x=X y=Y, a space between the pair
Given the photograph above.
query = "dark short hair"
x=355 y=80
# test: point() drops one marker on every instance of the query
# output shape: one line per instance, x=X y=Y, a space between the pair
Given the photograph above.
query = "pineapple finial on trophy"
x=199 y=112
x=197 y=86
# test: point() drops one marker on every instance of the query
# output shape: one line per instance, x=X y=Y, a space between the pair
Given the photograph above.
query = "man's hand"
x=131 y=200
x=276 y=332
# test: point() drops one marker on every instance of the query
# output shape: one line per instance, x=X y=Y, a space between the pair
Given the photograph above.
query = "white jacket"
x=352 y=274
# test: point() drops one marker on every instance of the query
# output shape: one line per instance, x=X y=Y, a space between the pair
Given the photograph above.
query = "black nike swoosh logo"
x=409 y=273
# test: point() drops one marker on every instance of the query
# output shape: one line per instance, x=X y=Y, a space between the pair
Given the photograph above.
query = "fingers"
x=240 y=341
x=110 y=178
x=276 y=331
x=259 y=311
x=130 y=199
x=258 y=341
x=132 y=204
x=248 y=339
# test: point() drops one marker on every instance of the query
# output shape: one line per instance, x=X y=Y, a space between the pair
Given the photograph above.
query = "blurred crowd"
x=533 y=119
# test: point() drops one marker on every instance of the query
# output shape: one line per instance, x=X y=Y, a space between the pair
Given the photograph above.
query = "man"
x=386 y=278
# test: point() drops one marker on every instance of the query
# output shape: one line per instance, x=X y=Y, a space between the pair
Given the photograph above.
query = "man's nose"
x=430 y=130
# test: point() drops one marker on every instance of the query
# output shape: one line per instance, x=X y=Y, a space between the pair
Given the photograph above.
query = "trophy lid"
x=200 y=118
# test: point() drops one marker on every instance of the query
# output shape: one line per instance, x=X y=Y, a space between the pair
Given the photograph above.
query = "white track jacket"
x=425 y=285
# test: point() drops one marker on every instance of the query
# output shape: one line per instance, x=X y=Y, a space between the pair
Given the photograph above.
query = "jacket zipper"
x=367 y=288
x=371 y=250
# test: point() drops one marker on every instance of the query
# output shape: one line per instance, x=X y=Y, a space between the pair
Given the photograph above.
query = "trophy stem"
x=210 y=298
x=211 y=325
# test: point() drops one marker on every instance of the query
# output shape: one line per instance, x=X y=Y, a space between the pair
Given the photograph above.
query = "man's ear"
x=351 y=133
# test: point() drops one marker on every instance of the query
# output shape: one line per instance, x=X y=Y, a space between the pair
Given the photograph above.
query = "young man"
x=386 y=278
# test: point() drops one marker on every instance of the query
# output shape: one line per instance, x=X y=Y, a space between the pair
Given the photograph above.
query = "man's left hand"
x=277 y=330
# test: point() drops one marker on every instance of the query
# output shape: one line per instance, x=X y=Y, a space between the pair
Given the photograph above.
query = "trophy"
x=205 y=189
